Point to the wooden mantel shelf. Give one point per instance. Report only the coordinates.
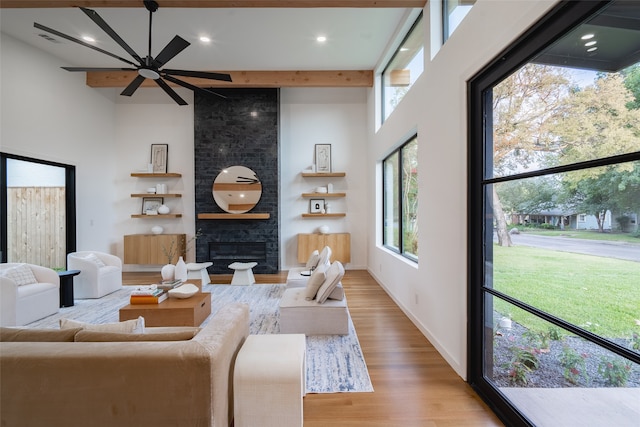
(323, 215)
(233, 216)
(156, 175)
(323, 175)
(156, 216)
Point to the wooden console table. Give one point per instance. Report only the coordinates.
(340, 244)
(147, 248)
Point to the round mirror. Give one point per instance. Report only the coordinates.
(237, 189)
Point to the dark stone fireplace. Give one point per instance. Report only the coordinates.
(241, 130)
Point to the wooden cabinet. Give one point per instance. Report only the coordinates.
(151, 248)
(340, 244)
(163, 195)
(324, 195)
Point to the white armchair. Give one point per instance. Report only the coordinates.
(100, 273)
(28, 292)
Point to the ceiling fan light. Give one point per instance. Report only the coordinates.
(149, 73)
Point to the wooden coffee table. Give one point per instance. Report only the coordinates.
(171, 312)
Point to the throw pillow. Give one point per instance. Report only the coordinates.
(335, 273)
(37, 335)
(312, 262)
(338, 293)
(315, 281)
(94, 258)
(135, 326)
(21, 274)
(325, 256)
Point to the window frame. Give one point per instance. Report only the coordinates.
(418, 21)
(561, 19)
(400, 207)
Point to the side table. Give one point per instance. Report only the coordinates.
(66, 287)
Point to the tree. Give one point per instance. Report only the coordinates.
(525, 105)
(632, 83)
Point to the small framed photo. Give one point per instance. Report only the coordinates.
(159, 154)
(150, 205)
(323, 158)
(316, 206)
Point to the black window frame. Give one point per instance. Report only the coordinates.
(70, 201)
(400, 249)
(563, 17)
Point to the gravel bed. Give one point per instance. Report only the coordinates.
(549, 373)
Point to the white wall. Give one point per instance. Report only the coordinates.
(323, 116)
(434, 294)
(39, 121)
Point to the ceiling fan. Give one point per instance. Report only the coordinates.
(148, 67)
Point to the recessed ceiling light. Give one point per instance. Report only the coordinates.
(88, 39)
(591, 43)
(205, 39)
(321, 39)
(587, 36)
(591, 49)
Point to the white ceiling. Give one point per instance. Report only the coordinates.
(242, 39)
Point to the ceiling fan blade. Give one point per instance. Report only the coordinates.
(192, 87)
(107, 29)
(175, 46)
(199, 74)
(97, 69)
(135, 84)
(172, 93)
(64, 36)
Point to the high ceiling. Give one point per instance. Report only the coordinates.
(280, 36)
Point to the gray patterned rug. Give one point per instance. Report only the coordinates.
(334, 363)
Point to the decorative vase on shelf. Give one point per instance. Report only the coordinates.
(168, 272)
(324, 229)
(181, 270)
(163, 209)
(157, 229)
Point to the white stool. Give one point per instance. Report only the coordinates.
(243, 274)
(198, 270)
(269, 381)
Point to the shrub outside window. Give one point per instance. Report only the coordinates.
(400, 200)
(403, 70)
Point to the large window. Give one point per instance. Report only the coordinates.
(37, 206)
(553, 223)
(403, 70)
(400, 203)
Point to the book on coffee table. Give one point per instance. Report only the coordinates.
(148, 299)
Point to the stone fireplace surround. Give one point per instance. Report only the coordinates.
(239, 130)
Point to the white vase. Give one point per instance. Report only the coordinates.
(168, 272)
(181, 270)
(163, 209)
(157, 229)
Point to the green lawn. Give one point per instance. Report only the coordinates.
(599, 294)
(585, 234)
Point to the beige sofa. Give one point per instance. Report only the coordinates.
(142, 383)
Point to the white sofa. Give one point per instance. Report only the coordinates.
(100, 273)
(22, 302)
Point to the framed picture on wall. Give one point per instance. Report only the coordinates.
(316, 206)
(150, 205)
(323, 158)
(159, 154)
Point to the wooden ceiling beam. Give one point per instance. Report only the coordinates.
(340, 78)
(31, 4)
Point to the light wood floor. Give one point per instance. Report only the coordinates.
(413, 384)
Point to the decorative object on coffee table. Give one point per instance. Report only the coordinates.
(185, 291)
(181, 270)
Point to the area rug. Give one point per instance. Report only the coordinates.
(335, 363)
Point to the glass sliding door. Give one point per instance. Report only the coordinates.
(38, 215)
(554, 253)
